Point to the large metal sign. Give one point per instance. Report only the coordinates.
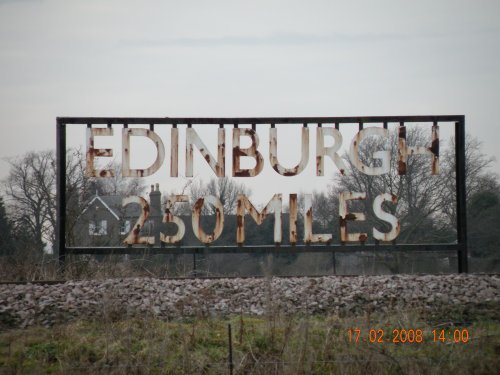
(246, 128)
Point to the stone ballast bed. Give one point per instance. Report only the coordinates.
(31, 304)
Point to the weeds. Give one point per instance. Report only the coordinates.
(291, 345)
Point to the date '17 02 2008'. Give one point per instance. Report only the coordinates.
(397, 336)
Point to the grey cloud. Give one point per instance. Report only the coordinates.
(271, 40)
(3, 2)
(291, 39)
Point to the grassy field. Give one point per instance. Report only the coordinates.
(265, 345)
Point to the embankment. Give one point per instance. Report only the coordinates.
(457, 295)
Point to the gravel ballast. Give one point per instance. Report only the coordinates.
(465, 295)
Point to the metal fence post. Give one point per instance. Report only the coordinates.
(195, 273)
(230, 343)
(61, 194)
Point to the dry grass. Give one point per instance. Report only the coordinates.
(273, 344)
(270, 345)
(29, 267)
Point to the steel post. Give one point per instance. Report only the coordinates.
(61, 193)
(463, 266)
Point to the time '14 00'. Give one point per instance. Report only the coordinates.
(400, 335)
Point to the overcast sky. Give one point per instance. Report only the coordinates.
(245, 58)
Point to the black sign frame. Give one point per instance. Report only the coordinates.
(460, 246)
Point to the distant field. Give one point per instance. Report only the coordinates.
(270, 344)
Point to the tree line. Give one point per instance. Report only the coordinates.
(425, 207)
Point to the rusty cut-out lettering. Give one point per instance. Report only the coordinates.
(332, 151)
(134, 237)
(275, 205)
(273, 153)
(385, 216)
(402, 155)
(404, 151)
(251, 151)
(174, 152)
(309, 237)
(160, 152)
(93, 152)
(219, 219)
(192, 138)
(345, 215)
(293, 213)
(168, 217)
(384, 156)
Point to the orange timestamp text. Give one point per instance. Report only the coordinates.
(411, 336)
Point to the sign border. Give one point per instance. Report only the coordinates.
(460, 246)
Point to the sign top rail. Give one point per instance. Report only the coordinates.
(256, 120)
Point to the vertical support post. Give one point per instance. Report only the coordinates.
(61, 193)
(204, 268)
(230, 342)
(195, 274)
(461, 195)
(334, 263)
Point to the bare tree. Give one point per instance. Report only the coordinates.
(483, 214)
(322, 206)
(79, 190)
(418, 206)
(6, 232)
(478, 178)
(29, 189)
(119, 185)
(224, 188)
